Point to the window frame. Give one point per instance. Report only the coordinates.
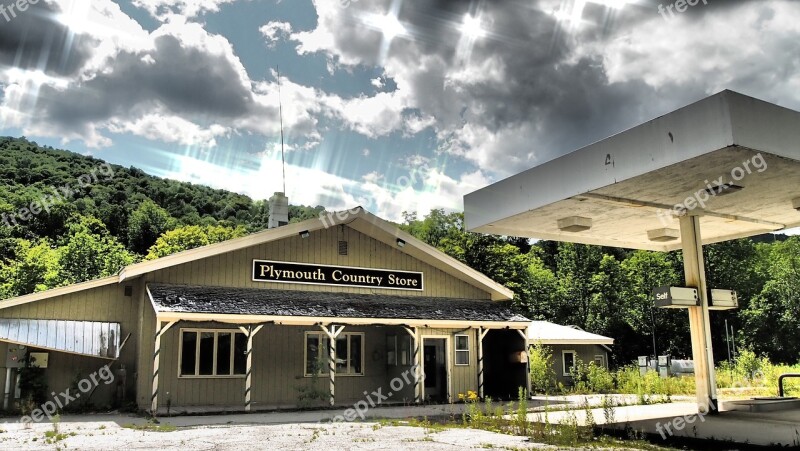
(564, 370)
(602, 359)
(214, 374)
(398, 350)
(324, 369)
(456, 350)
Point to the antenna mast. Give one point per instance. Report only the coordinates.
(280, 112)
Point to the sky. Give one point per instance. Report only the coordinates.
(394, 105)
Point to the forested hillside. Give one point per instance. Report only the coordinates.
(68, 218)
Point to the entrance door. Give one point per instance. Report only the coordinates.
(435, 369)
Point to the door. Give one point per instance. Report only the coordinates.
(434, 366)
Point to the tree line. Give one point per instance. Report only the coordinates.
(133, 216)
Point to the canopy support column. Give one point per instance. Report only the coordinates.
(248, 381)
(699, 324)
(332, 334)
(156, 359)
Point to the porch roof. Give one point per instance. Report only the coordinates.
(89, 338)
(545, 332)
(293, 307)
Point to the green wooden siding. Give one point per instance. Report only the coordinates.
(233, 269)
(278, 370)
(106, 303)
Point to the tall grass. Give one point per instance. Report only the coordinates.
(750, 375)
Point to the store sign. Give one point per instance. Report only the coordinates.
(346, 276)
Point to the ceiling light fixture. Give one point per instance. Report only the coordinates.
(663, 235)
(574, 224)
(400, 243)
(725, 188)
(304, 234)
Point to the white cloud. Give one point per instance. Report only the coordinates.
(164, 9)
(169, 129)
(275, 31)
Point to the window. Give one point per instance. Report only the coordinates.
(349, 353)
(600, 360)
(462, 349)
(212, 353)
(398, 350)
(568, 359)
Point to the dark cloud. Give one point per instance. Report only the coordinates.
(552, 90)
(185, 81)
(35, 39)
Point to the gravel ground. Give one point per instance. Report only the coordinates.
(309, 436)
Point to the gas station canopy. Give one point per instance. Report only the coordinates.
(730, 159)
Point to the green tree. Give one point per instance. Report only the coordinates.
(146, 224)
(771, 319)
(35, 268)
(645, 270)
(90, 252)
(190, 237)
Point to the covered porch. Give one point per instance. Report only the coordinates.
(245, 349)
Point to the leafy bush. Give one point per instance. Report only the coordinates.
(541, 368)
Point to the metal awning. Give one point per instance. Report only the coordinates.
(90, 338)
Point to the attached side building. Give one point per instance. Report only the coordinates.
(316, 312)
(569, 344)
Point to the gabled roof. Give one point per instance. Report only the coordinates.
(174, 302)
(357, 219)
(547, 333)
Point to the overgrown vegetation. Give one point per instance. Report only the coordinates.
(542, 374)
(516, 419)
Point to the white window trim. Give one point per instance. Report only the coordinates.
(603, 357)
(455, 344)
(216, 333)
(564, 369)
(323, 336)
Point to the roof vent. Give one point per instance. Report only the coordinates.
(342, 247)
(278, 211)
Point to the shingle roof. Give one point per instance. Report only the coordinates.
(548, 333)
(267, 302)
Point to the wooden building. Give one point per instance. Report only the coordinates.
(569, 345)
(317, 312)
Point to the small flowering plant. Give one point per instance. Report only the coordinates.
(471, 396)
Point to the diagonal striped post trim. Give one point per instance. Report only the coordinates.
(250, 332)
(156, 361)
(416, 368)
(481, 334)
(524, 335)
(332, 334)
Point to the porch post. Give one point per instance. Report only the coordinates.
(524, 335)
(414, 332)
(250, 332)
(332, 334)
(156, 359)
(481, 333)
